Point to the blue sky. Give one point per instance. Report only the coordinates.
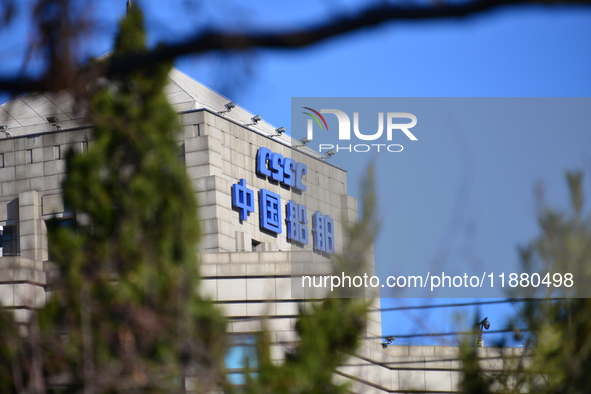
(524, 51)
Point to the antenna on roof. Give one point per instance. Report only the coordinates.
(128, 5)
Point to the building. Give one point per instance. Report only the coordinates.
(247, 258)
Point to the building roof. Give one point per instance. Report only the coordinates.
(26, 114)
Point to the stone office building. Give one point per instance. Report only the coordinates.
(247, 256)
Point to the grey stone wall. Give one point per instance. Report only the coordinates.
(218, 153)
(247, 284)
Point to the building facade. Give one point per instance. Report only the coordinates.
(262, 225)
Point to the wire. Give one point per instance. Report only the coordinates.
(423, 359)
(473, 303)
(425, 335)
(392, 309)
(393, 364)
(450, 333)
(419, 335)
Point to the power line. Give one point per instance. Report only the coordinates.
(472, 303)
(410, 307)
(426, 335)
(420, 335)
(450, 333)
(389, 364)
(398, 365)
(392, 309)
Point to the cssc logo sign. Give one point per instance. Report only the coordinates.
(391, 123)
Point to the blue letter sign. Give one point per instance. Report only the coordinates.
(297, 230)
(281, 169)
(323, 229)
(288, 173)
(242, 199)
(270, 211)
(263, 155)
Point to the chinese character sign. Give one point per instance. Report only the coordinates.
(270, 211)
(289, 174)
(242, 199)
(323, 229)
(297, 231)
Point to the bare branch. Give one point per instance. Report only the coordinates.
(214, 40)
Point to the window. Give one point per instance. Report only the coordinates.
(57, 152)
(67, 222)
(63, 222)
(28, 156)
(9, 241)
(257, 246)
(240, 355)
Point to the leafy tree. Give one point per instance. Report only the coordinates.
(127, 314)
(474, 381)
(557, 353)
(561, 329)
(329, 332)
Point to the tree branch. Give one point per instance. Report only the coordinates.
(213, 40)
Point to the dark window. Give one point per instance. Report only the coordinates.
(67, 222)
(257, 246)
(10, 241)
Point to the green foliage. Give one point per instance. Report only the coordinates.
(563, 245)
(10, 355)
(126, 314)
(561, 330)
(558, 346)
(474, 381)
(329, 332)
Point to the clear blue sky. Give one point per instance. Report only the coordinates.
(525, 51)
